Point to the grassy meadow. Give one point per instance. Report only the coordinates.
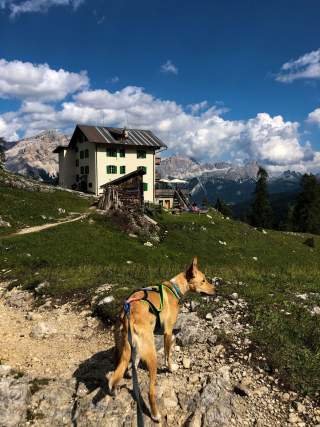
(23, 208)
(274, 268)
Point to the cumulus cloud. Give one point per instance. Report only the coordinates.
(169, 68)
(17, 7)
(314, 117)
(272, 140)
(9, 127)
(305, 67)
(198, 130)
(25, 80)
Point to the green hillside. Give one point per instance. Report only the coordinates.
(268, 270)
(29, 206)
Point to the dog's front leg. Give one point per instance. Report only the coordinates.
(167, 349)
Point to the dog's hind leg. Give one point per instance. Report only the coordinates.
(118, 374)
(148, 354)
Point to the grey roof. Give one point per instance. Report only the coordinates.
(109, 135)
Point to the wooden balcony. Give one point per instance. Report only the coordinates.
(166, 192)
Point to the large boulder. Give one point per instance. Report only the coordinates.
(14, 397)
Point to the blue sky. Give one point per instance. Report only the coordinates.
(208, 76)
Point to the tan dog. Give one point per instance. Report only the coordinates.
(142, 324)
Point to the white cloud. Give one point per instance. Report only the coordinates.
(39, 82)
(9, 128)
(305, 67)
(314, 117)
(272, 140)
(199, 130)
(169, 68)
(17, 7)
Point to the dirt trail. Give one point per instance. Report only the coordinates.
(38, 228)
(72, 337)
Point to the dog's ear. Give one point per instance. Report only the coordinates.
(191, 271)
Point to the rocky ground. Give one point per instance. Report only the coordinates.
(54, 359)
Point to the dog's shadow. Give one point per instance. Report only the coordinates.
(93, 374)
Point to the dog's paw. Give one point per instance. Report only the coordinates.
(156, 418)
(112, 390)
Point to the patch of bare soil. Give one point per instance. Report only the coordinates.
(48, 343)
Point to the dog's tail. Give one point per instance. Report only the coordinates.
(124, 351)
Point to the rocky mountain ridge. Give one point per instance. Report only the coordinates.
(34, 156)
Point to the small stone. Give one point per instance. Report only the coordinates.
(218, 349)
(5, 370)
(234, 296)
(194, 378)
(106, 300)
(286, 397)
(209, 317)
(186, 362)
(294, 418)
(174, 367)
(42, 330)
(300, 407)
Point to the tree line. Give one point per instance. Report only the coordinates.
(302, 216)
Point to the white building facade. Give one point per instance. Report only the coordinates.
(97, 155)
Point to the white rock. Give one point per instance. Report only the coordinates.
(186, 362)
(315, 311)
(255, 258)
(42, 330)
(209, 316)
(234, 296)
(106, 300)
(5, 370)
(174, 367)
(149, 244)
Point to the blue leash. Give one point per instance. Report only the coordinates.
(135, 382)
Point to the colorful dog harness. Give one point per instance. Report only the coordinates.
(157, 288)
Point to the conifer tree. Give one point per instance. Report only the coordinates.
(261, 210)
(306, 214)
(222, 207)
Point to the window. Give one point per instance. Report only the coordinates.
(86, 153)
(145, 186)
(111, 169)
(111, 152)
(90, 184)
(141, 154)
(77, 149)
(82, 170)
(81, 154)
(122, 169)
(86, 169)
(122, 152)
(77, 178)
(143, 168)
(77, 162)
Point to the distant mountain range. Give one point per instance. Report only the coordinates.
(206, 180)
(34, 157)
(233, 183)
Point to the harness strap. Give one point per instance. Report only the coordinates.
(135, 382)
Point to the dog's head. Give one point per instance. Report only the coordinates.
(197, 281)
